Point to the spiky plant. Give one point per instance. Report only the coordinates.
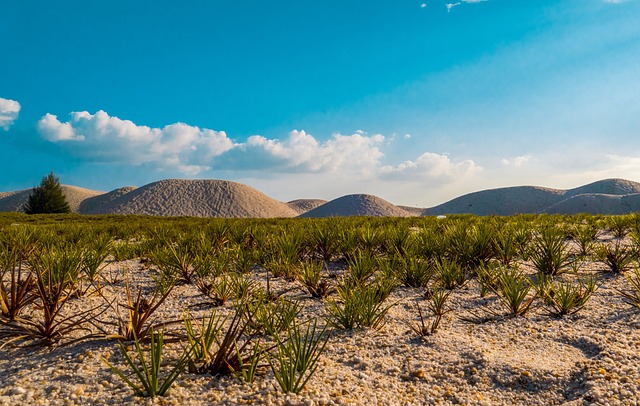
(17, 286)
(56, 273)
(359, 306)
(617, 256)
(585, 236)
(362, 266)
(632, 296)
(487, 277)
(310, 275)
(564, 298)
(437, 299)
(549, 252)
(513, 290)
(297, 356)
(220, 349)
(218, 289)
(449, 274)
(148, 372)
(93, 262)
(414, 272)
(140, 311)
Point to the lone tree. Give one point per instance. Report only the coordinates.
(47, 198)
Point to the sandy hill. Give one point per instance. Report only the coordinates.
(198, 198)
(596, 197)
(94, 204)
(617, 187)
(413, 211)
(13, 201)
(503, 201)
(592, 203)
(357, 205)
(305, 205)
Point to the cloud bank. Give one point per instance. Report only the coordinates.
(9, 110)
(191, 150)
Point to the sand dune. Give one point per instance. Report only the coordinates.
(94, 204)
(503, 201)
(197, 198)
(219, 198)
(534, 199)
(305, 205)
(14, 201)
(357, 205)
(591, 203)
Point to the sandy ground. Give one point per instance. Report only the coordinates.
(591, 357)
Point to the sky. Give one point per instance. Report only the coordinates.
(417, 102)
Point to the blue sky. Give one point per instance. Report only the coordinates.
(414, 101)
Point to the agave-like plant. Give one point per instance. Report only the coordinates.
(617, 256)
(513, 290)
(140, 311)
(148, 373)
(17, 286)
(297, 356)
(310, 275)
(437, 299)
(632, 296)
(549, 251)
(220, 350)
(564, 298)
(56, 271)
(449, 274)
(360, 305)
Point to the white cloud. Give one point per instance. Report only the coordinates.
(9, 110)
(301, 151)
(450, 6)
(100, 137)
(190, 150)
(432, 166)
(517, 161)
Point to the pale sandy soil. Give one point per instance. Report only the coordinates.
(588, 358)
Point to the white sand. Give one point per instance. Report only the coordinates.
(588, 358)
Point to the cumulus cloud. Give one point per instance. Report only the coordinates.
(191, 150)
(432, 166)
(102, 138)
(517, 161)
(9, 110)
(301, 151)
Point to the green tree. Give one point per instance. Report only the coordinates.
(47, 198)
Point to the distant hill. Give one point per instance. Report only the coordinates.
(197, 198)
(95, 204)
(304, 205)
(14, 201)
(221, 198)
(534, 199)
(357, 205)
